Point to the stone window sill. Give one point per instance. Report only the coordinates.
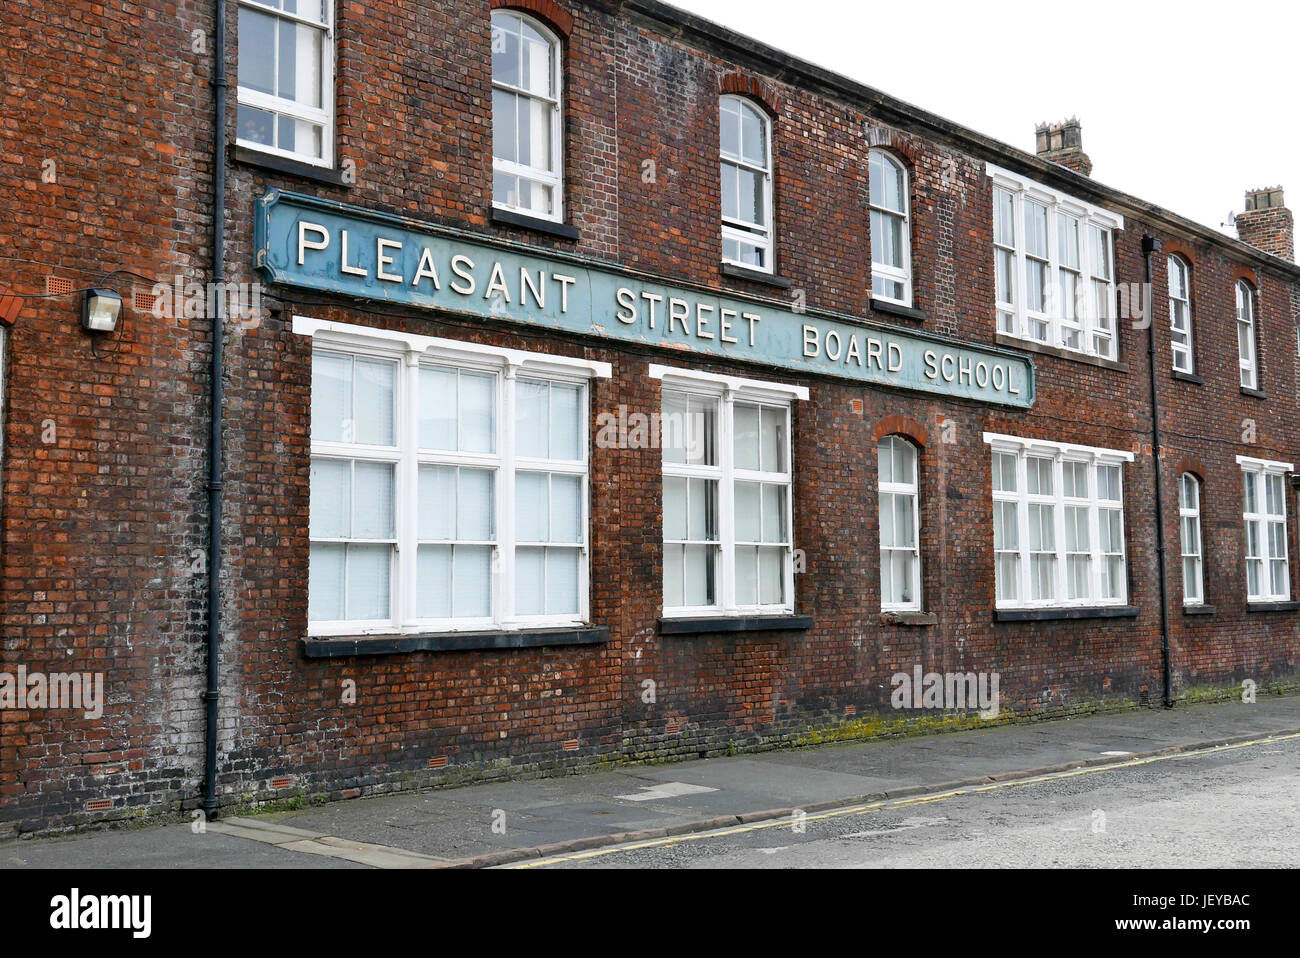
(915, 620)
(1272, 606)
(897, 309)
(1015, 342)
(1199, 610)
(1257, 393)
(1183, 377)
(754, 275)
(1052, 615)
(318, 174)
(534, 223)
(704, 625)
(321, 647)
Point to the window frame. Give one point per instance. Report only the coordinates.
(554, 180)
(1104, 325)
(902, 276)
(1090, 325)
(910, 490)
(728, 391)
(414, 353)
(1191, 513)
(325, 116)
(1071, 320)
(1057, 453)
(1259, 472)
(354, 453)
(738, 230)
(1006, 309)
(1251, 302)
(1177, 263)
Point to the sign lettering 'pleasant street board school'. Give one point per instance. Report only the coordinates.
(334, 248)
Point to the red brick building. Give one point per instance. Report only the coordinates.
(599, 385)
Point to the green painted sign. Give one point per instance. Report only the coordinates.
(334, 248)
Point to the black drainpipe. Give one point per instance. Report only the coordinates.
(1149, 245)
(217, 398)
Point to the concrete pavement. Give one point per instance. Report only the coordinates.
(495, 823)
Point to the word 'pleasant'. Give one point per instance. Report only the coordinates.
(461, 266)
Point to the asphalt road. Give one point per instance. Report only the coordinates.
(1234, 807)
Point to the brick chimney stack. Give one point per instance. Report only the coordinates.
(1062, 143)
(1267, 224)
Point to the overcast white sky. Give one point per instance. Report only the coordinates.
(1183, 104)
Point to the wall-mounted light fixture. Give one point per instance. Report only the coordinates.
(100, 311)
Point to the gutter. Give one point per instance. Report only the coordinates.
(1149, 246)
(211, 694)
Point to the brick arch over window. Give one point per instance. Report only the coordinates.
(882, 137)
(900, 426)
(1240, 272)
(555, 16)
(752, 87)
(1194, 466)
(1175, 248)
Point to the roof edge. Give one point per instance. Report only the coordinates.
(785, 67)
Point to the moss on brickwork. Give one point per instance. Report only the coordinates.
(1208, 694)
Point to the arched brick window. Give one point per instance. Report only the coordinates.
(899, 490)
(1193, 553)
(527, 116)
(1180, 314)
(891, 229)
(746, 165)
(1248, 358)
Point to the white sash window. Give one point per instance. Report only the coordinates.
(897, 468)
(746, 166)
(1058, 524)
(1189, 520)
(1246, 358)
(527, 117)
(1264, 493)
(286, 78)
(1180, 314)
(449, 484)
(728, 482)
(891, 239)
(1053, 267)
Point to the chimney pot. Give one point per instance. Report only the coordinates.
(1062, 143)
(1268, 198)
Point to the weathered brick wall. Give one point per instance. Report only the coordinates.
(103, 168)
(110, 568)
(1204, 427)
